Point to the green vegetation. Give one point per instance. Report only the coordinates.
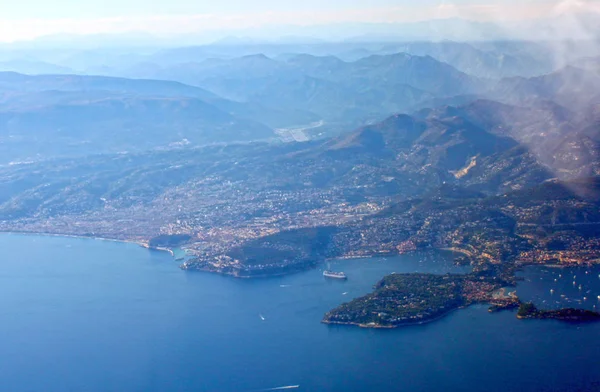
(285, 247)
(530, 311)
(169, 241)
(401, 299)
(526, 310)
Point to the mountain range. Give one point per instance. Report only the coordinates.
(230, 92)
(235, 100)
(486, 146)
(302, 156)
(56, 115)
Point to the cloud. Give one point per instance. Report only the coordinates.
(24, 29)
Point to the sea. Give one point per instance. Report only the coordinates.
(91, 315)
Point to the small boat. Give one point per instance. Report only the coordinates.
(344, 293)
(261, 317)
(334, 275)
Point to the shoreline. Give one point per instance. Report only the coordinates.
(140, 243)
(31, 233)
(158, 248)
(460, 251)
(407, 324)
(237, 276)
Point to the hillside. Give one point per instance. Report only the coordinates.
(299, 183)
(66, 115)
(478, 176)
(346, 93)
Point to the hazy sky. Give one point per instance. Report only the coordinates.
(115, 8)
(25, 19)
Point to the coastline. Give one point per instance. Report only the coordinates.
(238, 276)
(31, 233)
(158, 248)
(406, 324)
(458, 251)
(137, 242)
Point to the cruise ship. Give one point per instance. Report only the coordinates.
(335, 275)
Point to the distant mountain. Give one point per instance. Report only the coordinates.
(422, 72)
(45, 116)
(31, 67)
(252, 66)
(122, 123)
(571, 87)
(12, 81)
(453, 142)
(492, 62)
(346, 93)
(295, 84)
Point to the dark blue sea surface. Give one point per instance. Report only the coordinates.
(555, 288)
(88, 315)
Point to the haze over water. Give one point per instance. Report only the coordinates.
(88, 315)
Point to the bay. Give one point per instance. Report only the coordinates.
(88, 315)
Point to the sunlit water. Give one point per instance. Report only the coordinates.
(85, 315)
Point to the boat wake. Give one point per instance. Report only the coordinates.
(280, 388)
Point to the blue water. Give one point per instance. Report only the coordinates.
(86, 315)
(555, 288)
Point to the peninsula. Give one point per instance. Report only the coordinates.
(530, 311)
(403, 299)
(407, 299)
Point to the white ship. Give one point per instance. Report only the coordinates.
(334, 275)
